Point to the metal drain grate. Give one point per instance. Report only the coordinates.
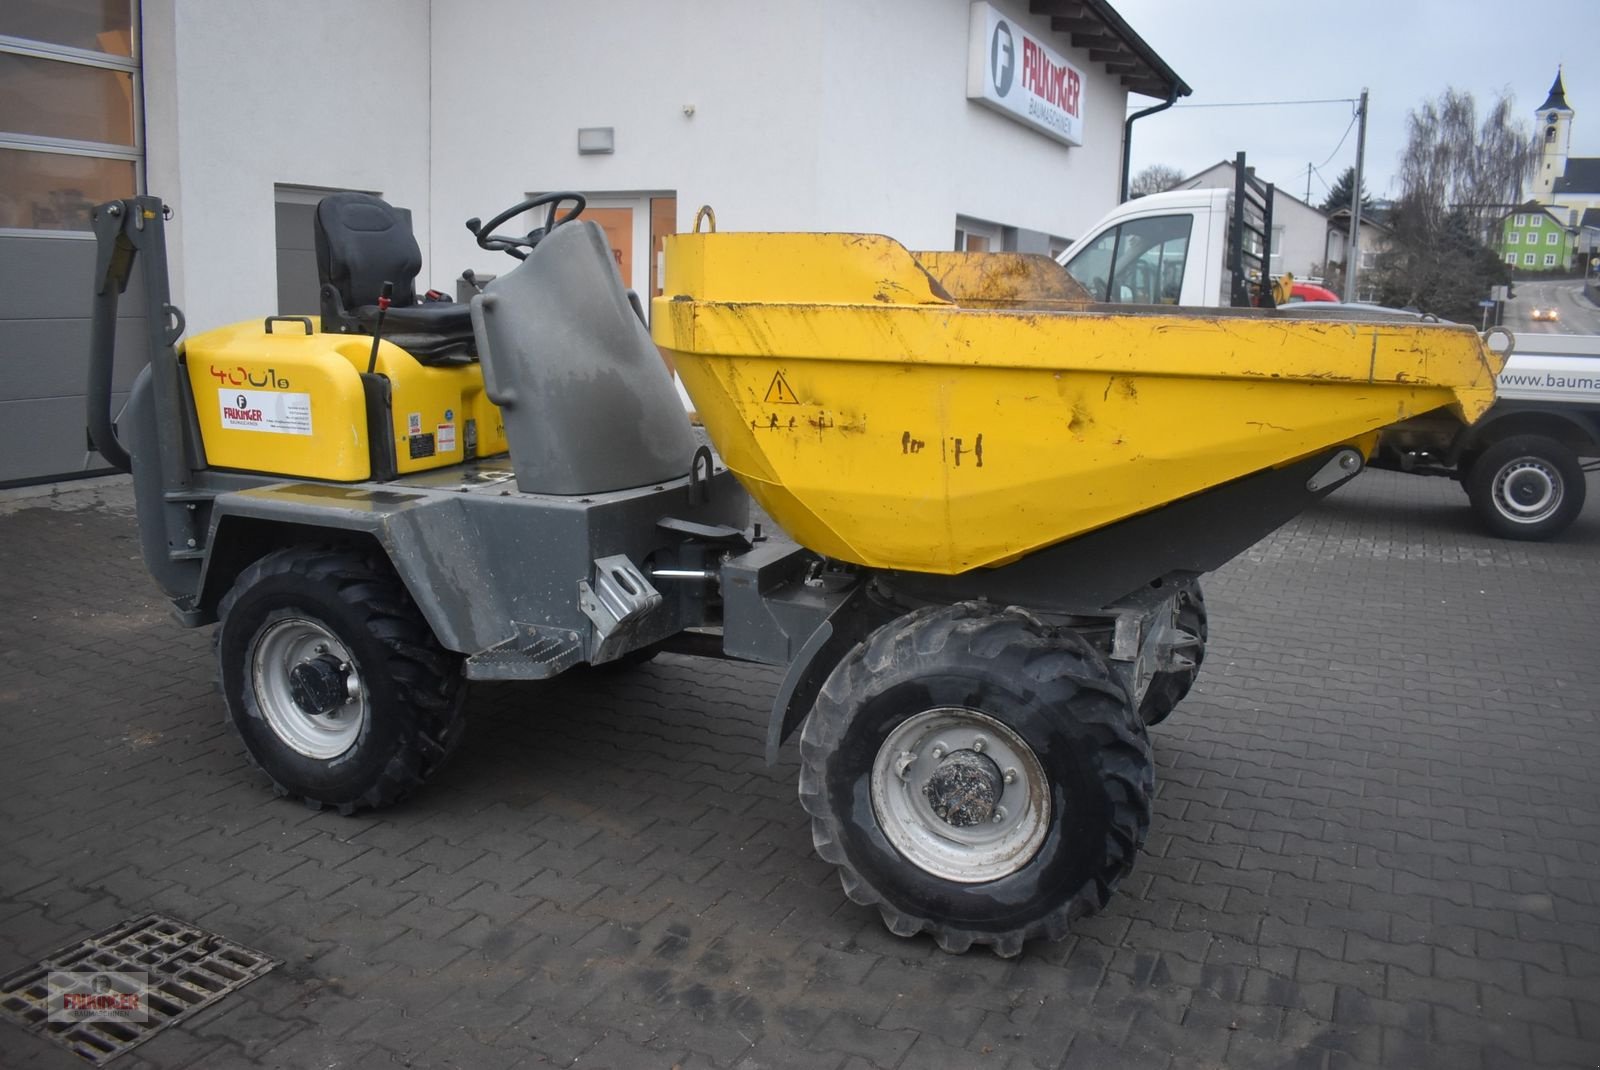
(180, 969)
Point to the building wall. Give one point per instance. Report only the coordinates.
(1553, 150)
(1538, 235)
(241, 96)
(829, 116)
(1571, 206)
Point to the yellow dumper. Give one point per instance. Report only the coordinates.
(1045, 479)
(997, 499)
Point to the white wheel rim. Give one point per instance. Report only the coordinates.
(994, 848)
(1527, 490)
(274, 653)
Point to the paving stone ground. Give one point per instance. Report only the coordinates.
(1376, 840)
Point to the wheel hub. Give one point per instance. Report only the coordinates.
(1527, 491)
(964, 789)
(321, 685)
(960, 795)
(308, 687)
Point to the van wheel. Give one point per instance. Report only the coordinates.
(1526, 487)
(334, 681)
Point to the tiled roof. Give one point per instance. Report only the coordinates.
(1582, 176)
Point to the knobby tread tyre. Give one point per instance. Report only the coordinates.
(1482, 476)
(1167, 689)
(416, 708)
(1045, 684)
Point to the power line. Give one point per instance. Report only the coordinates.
(1340, 145)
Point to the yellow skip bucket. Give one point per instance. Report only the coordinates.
(942, 412)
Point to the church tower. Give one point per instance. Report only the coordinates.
(1554, 134)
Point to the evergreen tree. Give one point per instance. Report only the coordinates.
(1339, 196)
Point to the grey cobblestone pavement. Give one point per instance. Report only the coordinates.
(1376, 840)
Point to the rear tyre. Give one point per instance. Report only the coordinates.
(976, 775)
(633, 659)
(1526, 487)
(334, 681)
(1167, 689)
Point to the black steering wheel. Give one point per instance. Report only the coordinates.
(521, 247)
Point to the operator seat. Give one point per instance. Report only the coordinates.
(362, 242)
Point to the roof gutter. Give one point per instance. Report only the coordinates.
(1127, 136)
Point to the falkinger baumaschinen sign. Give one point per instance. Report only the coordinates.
(1016, 74)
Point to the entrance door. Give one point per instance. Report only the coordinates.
(617, 222)
(635, 225)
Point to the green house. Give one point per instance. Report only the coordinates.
(1532, 238)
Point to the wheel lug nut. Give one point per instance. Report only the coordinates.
(999, 814)
(938, 751)
(1010, 776)
(978, 744)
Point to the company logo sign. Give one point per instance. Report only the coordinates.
(1002, 58)
(1018, 75)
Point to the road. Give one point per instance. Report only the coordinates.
(1578, 314)
(1375, 841)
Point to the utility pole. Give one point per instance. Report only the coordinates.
(1352, 257)
(1308, 183)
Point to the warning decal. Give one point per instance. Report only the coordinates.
(265, 410)
(445, 436)
(779, 393)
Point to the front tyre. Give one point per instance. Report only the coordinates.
(1526, 487)
(334, 681)
(976, 775)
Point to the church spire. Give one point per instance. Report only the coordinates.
(1558, 95)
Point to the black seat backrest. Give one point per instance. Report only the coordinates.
(362, 242)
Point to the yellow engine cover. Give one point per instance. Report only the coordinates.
(290, 403)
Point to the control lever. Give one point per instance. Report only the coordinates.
(385, 298)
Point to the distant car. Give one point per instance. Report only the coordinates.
(1548, 313)
(1310, 291)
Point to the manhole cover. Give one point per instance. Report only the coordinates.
(115, 990)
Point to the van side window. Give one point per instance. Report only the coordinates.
(1138, 262)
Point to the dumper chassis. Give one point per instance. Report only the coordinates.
(974, 752)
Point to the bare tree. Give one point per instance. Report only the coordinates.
(1457, 176)
(1453, 163)
(1157, 178)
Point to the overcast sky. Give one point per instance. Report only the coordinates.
(1403, 51)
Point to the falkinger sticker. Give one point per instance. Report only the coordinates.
(266, 410)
